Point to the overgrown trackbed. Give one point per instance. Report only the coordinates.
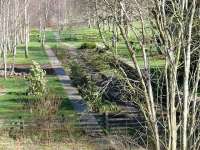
(76, 100)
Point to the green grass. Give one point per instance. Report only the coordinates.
(123, 51)
(83, 34)
(56, 87)
(9, 103)
(77, 36)
(36, 52)
(50, 38)
(155, 59)
(155, 62)
(10, 106)
(74, 44)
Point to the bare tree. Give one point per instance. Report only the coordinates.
(174, 23)
(14, 26)
(26, 26)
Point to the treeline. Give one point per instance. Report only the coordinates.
(14, 29)
(171, 108)
(17, 17)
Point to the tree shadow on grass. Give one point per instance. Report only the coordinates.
(17, 93)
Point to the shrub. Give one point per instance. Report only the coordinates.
(101, 48)
(109, 107)
(78, 75)
(36, 80)
(93, 96)
(88, 45)
(35, 35)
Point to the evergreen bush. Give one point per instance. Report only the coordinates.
(37, 81)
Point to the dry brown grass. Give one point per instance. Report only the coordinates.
(84, 143)
(7, 143)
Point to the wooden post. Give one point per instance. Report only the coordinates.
(106, 123)
(21, 126)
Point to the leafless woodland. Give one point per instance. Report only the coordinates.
(169, 101)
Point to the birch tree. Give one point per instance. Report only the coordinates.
(26, 26)
(13, 27)
(173, 116)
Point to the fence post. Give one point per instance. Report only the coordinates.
(21, 125)
(106, 123)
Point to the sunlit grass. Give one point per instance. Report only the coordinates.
(10, 106)
(36, 52)
(77, 36)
